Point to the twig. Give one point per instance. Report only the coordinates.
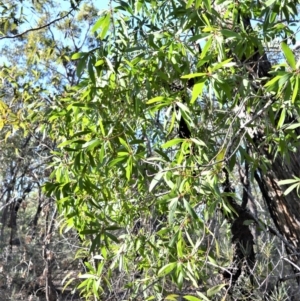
(38, 28)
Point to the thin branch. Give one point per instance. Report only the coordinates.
(39, 28)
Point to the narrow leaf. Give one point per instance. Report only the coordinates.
(109, 64)
(191, 298)
(293, 126)
(296, 88)
(78, 55)
(197, 90)
(204, 298)
(214, 290)
(288, 53)
(291, 188)
(92, 144)
(272, 82)
(193, 75)
(198, 142)
(182, 106)
(155, 99)
(269, 2)
(172, 142)
(282, 118)
(288, 181)
(155, 180)
(172, 297)
(99, 63)
(168, 268)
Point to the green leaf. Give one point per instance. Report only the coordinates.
(172, 142)
(124, 143)
(105, 26)
(99, 63)
(155, 99)
(207, 4)
(168, 181)
(112, 237)
(180, 248)
(189, 3)
(214, 290)
(89, 231)
(230, 34)
(270, 2)
(296, 88)
(188, 76)
(129, 168)
(117, 160)
(182, 106)
(155, 180)
(291, 188)
(167, 269)
(87, 276)
(65, 143)
(91, 72)
(138, 6)
(191, 298)
(282, 118)
(109, 64)
(189, 209)
(206, 48)
(226, 63)
(293, 126)
(284, 79)
(172, 209)
(289, 55)
(289, 181)
(180, 277)
(221, 155)
(272, 82)
(81, 65)
(92, 144)
(103, 22)
(197, 90)
(78, 55)
(202, 296)
(198, 142)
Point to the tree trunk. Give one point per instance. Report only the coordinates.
(284, 209)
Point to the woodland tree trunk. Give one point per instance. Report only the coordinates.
(283, 209)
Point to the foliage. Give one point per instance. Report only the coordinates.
(175, 104)
(35, 58)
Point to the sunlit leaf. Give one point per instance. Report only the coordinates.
(191, 298)
(295, 89)
(172, 142)
(168, 268)
(282, 118)
(197, 90)
(289, 55)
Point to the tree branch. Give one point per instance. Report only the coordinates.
(39, 28)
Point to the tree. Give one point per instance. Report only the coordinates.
(36, 68)
(177, 145)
